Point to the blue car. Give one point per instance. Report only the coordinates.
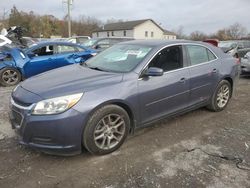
(128, 86)
(17, 64)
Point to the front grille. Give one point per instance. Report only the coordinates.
(17, 118)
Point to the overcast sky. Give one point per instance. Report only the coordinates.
(203, 15)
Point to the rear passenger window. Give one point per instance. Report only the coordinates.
(65, 49)
(211, 56)
(199, 54)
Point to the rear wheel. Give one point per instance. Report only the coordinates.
(221, 96)
(9, 77)
(106, 130)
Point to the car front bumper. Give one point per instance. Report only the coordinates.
(59, 134)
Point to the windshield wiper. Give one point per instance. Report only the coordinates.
(97, 68)
(94, 68)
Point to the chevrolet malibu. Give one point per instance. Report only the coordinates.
(95, 105)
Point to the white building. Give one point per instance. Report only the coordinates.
(138, 29)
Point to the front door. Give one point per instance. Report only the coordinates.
(166, 94)
(43, 60)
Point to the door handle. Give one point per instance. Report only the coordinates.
(214, 71)
(182, 80)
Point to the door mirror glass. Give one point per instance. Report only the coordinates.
(154, 71)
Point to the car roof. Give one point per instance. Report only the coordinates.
(56, 42)
(38, 44)
(159, 43)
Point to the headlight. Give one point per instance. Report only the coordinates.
(56, 105)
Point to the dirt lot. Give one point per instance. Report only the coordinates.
(198, 149)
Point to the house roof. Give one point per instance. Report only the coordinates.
(129, 25)
(166, 32)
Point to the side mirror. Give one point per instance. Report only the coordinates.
(154, 71)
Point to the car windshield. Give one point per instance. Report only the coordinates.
(227, 44)
(89, 42)
(119, 58)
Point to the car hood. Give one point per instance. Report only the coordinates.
(69, 80)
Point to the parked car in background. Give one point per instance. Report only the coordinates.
(17, 64)
(29, 41)
(214, 42)
(128, 86)
(4, 40)
(101, 44)
(237, 48)
(245, 64)
(78, 39)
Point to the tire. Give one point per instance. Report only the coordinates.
(106, 130)
(9, 76)
(221, 96)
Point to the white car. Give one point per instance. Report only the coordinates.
(78, 39)
(4, 40)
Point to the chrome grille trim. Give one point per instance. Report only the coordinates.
(19, 106)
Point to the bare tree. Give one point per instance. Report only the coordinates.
(198, 35)
(236, 31)
(180, 33)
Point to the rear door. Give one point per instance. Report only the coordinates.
(204, 73)
(166, 94)
(64, 54)
(69, 54)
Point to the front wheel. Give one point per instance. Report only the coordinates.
(106, 130)
(221, 96)
(9, 76)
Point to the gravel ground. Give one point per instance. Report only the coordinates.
(198, 149)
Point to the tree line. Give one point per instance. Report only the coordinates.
(233, 32)
(47, 25)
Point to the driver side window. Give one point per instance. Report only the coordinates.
(45, 50)
(168, 59)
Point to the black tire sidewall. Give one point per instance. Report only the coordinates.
(3, 83)
(88, 134)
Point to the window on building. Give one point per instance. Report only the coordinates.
(107, 34)
(125, 33)
(112, 33)
(152, 34)
(146, 34)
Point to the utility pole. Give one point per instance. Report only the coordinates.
(69, 3)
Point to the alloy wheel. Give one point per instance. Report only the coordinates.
(10, 77)
(223, 96)
(109, 131)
